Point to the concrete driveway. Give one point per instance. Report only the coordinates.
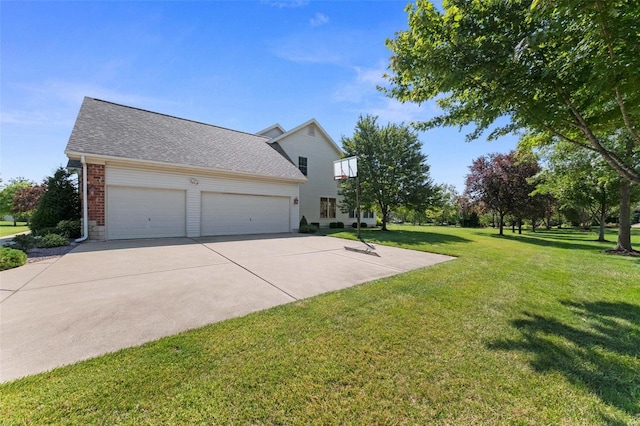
(102, 297)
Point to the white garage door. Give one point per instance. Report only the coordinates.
(145, 213)
(235, 214)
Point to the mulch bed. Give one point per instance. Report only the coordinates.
(40, 254)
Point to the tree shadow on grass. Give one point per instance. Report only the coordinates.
(602, 353)
(411, 237)
(555, 243)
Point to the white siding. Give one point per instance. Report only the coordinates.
(320, 154)
(145, 178)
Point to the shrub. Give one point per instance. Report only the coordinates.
(303, 222)
(69, 228)
(333, 225)
(45, 231)
(23, 242)
(312, 229)
(52, 240)
(316, 224)
(339, 225)
(11, 258)
(362, 225)
(304, 229)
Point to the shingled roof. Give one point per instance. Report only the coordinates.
(110, 130)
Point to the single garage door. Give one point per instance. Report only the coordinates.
(145, 213)
(236, 214)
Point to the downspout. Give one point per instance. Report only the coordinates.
(85, 203)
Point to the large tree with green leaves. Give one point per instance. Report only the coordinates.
(8, 192)
(392, 170)
(566, 68)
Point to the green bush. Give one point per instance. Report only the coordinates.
(312, 229)
(69, 228)
(45, 231)
(339, 224)
(11, 258)
(52, 240)
(23, 242)
(333, 225)
(303, 222)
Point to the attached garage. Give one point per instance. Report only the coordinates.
(145, 213)
(150, 175)
(232, 214)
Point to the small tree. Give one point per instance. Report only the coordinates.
(25, 201)
(7, 193)
(59, 201)
(393, 171)
(500, 181)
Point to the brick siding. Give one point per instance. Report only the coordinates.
(96, 193)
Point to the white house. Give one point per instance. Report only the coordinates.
(146, 175)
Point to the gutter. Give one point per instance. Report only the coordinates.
(85, 204)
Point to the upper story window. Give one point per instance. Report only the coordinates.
(311, 131)
(302, 165)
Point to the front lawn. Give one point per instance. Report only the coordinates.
(523, 329)
(7, 228)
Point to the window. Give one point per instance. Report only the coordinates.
(302, 165)
(311, 131)
(327, 208)
(364, 214)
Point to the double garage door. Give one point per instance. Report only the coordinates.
(156, 213)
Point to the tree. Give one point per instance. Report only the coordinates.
(501, 183)
(59, 201)
(25, 201)
(566, 68)
(392, 170)
(582, 183)
(7, 194)
(445, 208)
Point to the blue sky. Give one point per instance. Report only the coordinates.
(244, 65)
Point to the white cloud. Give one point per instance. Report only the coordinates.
(319, 19)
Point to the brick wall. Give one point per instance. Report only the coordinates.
(96, 193)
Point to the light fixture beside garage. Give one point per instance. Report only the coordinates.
(295, 200)
(193, 181)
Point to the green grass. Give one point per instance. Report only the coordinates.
(534, 329)
(7, 228)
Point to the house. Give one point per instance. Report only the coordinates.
(147, 175)
(310, 148)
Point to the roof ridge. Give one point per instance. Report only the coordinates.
(179, 118)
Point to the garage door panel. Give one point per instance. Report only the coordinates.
(235, 214)
(145, 213)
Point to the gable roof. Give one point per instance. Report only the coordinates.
(275, 128)
(109, 130)
(314, 122)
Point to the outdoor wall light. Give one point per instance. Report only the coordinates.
(295, 200)
(193, 181)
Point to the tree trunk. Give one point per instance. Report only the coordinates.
(624, 230)
(385, 214)
(519, 226)
(603, 218)
(501, 224)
